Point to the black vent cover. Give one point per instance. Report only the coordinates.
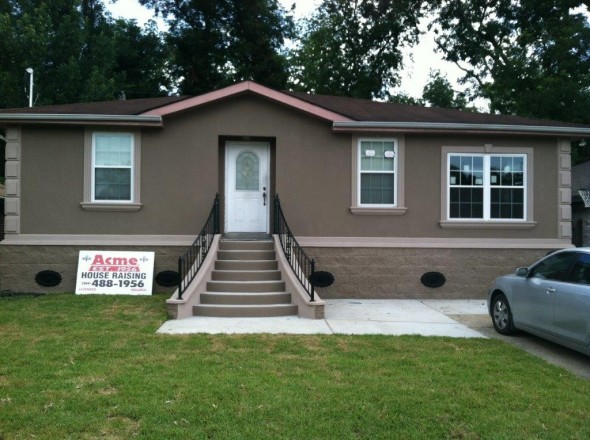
(168, 278)
(433, 279)
(48, 278)
(321, 278)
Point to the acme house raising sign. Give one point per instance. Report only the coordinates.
(115, 273)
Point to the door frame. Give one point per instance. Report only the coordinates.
(222, 173)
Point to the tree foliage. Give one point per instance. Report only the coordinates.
(353, 47)
(220, 42)
(438, 92)
(78, 53)
(528, 57)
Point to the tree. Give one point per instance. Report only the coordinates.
(352, 47)
(220, 42)
(528, 57)
(438, 92)
(78, 53)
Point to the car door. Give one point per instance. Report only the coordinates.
(534, 298)
(572, 303)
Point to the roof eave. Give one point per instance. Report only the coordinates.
(453, 127)
(83, 119)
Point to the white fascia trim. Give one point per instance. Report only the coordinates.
(248, 86)
(444, 126)
(434, 243)
(96, 240)
(74, 118)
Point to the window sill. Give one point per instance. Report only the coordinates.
(446, 224)
(356, 210)
(88, 206)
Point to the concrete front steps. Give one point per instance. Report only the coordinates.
(245, 282)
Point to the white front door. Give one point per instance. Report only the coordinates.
(247, 192)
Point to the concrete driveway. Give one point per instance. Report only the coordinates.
(571, 360)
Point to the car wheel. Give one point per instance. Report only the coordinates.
(502, 315)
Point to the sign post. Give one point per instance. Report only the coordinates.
(115, 273)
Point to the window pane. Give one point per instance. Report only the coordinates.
(377, 189)
(466, 203)
(247, 172)
(112, 184)
(112, 150)
(581, 271)
(555, 267)
(507, 203)
(373, 155)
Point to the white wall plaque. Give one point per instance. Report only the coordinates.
(115, 272)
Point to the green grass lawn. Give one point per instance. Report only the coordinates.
(92, 367)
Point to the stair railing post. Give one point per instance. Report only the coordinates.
(216, 215)
(276, 214)
(312, 293)
(180, 278)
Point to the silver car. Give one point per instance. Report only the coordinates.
(550, 299)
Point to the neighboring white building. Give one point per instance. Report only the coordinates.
(580, 213)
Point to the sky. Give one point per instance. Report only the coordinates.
(417, 60)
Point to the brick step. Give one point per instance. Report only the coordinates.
(246, 275)
(246, 286)
(229, 245)
(246, 255)
(241, 311)
(245, 299)
(246, 265)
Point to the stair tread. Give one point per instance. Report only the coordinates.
(245, 306)
(247, 270)
(245, 282)
(276, 292)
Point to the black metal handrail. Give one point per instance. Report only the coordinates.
(302, 265)
(190, 263)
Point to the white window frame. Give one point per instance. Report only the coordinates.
(95, 167)
(487, 186)
(395, 208)
(487, 222)
(89, 201)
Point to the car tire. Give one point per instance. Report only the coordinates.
(502, 315)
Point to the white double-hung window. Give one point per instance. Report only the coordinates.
(487, 187)
(377, 171)
(112, 170)
(112, 167)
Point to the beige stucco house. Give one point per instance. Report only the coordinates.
(379, 194)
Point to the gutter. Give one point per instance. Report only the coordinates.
(40, 118)
(458, 127)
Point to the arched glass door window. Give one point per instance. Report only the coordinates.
(247, 172)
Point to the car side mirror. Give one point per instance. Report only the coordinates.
(522, 272)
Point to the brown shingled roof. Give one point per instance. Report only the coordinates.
(366, 110)
(126, 107)
(360, 110)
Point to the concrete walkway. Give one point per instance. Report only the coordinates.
(354, 317)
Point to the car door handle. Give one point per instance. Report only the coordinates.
(551, 290)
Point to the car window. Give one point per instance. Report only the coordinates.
(581, 271)
(556, 267)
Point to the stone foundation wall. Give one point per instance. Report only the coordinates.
(381, 273)
(20, 264)
(359, 272)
